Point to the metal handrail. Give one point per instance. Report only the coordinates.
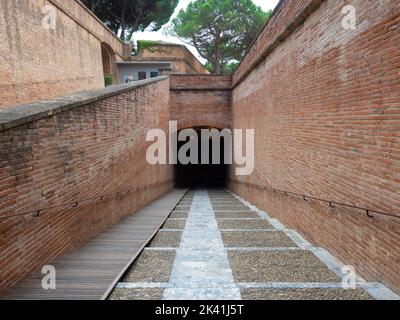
(74, 204)
(332, 204)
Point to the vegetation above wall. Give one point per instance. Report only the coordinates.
(153, 46)
(124, 17)
(220, 30)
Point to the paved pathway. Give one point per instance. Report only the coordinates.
(215, 246)
(201, 269)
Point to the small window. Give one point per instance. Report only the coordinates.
(142, 75)
(154, 74)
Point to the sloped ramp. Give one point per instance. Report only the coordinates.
(88, 272)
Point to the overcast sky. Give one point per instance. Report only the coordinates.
(159, 35)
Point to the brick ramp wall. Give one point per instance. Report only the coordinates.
(325, 106)
(93, 144)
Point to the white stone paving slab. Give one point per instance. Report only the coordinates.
(201, 269)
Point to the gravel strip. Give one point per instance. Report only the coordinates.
(228, 202)
(137, 294)
(151, 266)
(179, 214)
(182, 208)
(305, 294)
(286, 266)
(185, 203)
(167, 240)
(226, 208)
(236, 215)
(222, 197)
(239, 207)
(256, 239)
(175, 224)
(229, 206)
(243, 224)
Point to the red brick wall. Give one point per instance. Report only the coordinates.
(325, 106)
(90, 150)
(38, 64)
(201, 100)
(324, 101)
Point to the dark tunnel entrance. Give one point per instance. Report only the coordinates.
(203, 175)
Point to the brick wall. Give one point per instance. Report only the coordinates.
(325, 106)
(93, 144)
(201, 100)
(324, 103)
(38, 64)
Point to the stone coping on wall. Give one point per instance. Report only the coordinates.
(201, 82)
(27, 113)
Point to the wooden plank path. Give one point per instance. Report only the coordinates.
(89, 272)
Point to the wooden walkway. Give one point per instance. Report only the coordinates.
(91, 271)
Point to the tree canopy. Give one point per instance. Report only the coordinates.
(124, 17)
(220, 30)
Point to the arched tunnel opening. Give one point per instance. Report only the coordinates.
(206, 172)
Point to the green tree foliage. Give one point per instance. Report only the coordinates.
(124, 17)
(229, 68)
(221, 30)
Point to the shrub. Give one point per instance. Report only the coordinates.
(108, 79)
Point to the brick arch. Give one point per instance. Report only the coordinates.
(109, 59)
(193, 123)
